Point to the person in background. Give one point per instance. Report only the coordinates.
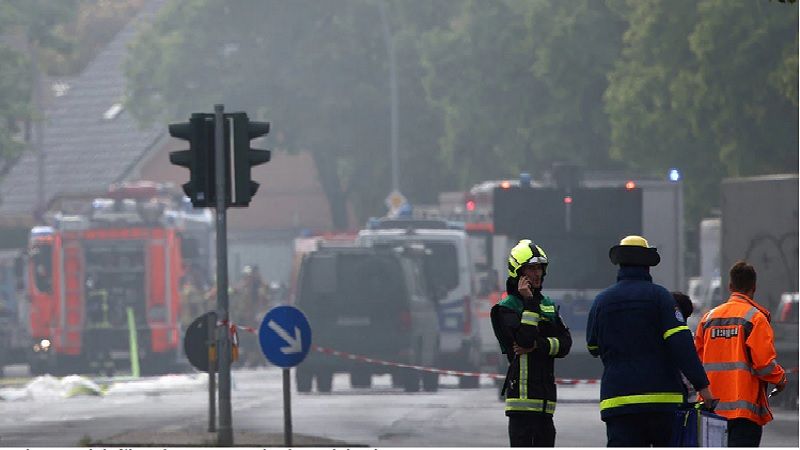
(684, 305)
(531, 335)
(645, 345)
(736, 344)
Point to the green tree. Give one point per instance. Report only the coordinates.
(28, 25)
(710, 87)
(520, 85)
(318, 70)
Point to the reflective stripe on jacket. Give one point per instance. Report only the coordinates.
(736, 345)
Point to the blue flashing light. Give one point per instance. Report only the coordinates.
(674, 175)
(405, 210)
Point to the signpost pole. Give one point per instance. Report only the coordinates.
(225, 431)
(212, 372)
(285, 338)
(287, 408)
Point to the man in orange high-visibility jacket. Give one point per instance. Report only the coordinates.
(736, 345)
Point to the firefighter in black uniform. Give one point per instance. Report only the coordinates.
(531, 334)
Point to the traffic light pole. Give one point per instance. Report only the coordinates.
(225, 430)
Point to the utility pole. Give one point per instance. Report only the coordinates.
(387, 36)
(38, 127)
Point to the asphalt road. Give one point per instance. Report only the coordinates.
(382, 416)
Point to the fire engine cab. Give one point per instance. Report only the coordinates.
(112, 266)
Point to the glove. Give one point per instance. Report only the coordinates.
(779, 387)
(709, 405)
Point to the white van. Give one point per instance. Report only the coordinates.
(449, 275)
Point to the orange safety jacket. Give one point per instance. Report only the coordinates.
(735, 343)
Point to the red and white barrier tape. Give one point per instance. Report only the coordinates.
(354, 357)
(381, 362)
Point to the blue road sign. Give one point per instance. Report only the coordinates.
(285, 336)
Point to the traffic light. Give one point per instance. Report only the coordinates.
(243, 188)
(199, 158)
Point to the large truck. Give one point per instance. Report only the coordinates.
(576, 218)
(705, 289)
(759, 224)
(121, 260)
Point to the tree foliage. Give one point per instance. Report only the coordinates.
(26, 24)
(489, 89)
(710, 87)
(520, 85)
(317, 70)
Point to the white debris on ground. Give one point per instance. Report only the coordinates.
(47, 387)
(154, 386)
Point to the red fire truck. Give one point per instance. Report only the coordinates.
(121, 255)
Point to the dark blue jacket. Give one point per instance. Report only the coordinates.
(636, 329)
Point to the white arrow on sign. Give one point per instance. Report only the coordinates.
(295, 343)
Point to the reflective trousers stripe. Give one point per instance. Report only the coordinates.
(523, 376)
(743, 404)
(531, 405)
(530, 318)
(593, 347)
(672, 331)
(554, 346)
(656, 397)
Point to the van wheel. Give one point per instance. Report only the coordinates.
(469, 382)
(360, 379)
(411, 381)
(397, 380)
(324, 381)
(303, 378)
(430, 382)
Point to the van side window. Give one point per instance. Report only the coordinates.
(42, 260)
(441, 267)
(415, 280)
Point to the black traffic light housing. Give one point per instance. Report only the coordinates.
(243, 187)
(199, 158)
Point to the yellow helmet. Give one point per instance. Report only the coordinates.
(525, 252)
(634, 240)
(634, 250)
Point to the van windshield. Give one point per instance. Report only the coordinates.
(354, 282)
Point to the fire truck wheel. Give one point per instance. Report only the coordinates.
(430, 382)
(397, 380)
(324, 381)
(411, 381)
(360, 378)
(36, 368)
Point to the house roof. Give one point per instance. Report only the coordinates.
(89, 140)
